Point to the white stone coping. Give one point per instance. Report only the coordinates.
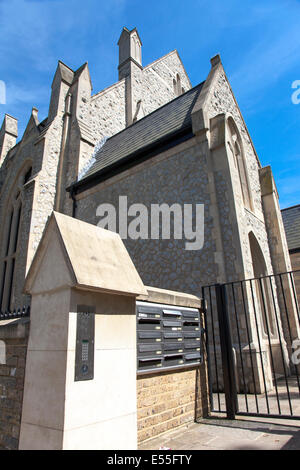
(170, 297)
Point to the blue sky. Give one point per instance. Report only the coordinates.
(259, 43)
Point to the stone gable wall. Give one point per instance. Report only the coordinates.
(221, 100)
(179, 176)
(38, 198)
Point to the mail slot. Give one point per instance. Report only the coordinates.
(148, 309)
(173, 347)
(172, 334)
(192, 344)
(192, 334)
(149, 324)
(191, 326)
(149, 336)
(149, 363)
(172, 313)
(191, 314)
(193, 357)
(191, 323)
(148, 315)
(173, 360)
(145, 349)
(169, 323)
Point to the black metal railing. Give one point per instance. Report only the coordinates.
(253, 344)
(16, 313)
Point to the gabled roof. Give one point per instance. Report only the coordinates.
(291, 221)
(163, 123)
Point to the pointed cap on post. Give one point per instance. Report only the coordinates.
(73, 253)
(8, 135)
(215, 60)
(130, 47)
(9, 126)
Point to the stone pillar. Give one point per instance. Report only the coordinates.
(130, 68)
(61, 411)
(280, 257)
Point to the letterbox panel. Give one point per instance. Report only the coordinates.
(167, 336)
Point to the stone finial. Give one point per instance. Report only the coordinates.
(215, 60)
(8, 135)
(34, 114)
(130, 47)
(62, 80)
(10, 125)
(267, 183)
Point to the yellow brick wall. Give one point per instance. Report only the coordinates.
(170, 399)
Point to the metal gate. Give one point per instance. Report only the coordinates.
(253, 346)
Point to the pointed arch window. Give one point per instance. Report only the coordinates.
(11, 242)
(262, 289)
(236, 148)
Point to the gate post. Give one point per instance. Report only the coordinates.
(226, 352)
(80, 379)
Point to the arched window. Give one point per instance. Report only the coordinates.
(263, 297)
(235, 145)
(10, 241)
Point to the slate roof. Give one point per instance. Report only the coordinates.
(291, 222)
(165, 121)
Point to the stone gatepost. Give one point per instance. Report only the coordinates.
(80, 380)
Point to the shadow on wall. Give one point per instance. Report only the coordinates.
(2, 352)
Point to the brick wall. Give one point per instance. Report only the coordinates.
(170, 399)
(14, 333)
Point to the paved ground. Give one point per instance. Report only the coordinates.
(222, 434)
(283, 399)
